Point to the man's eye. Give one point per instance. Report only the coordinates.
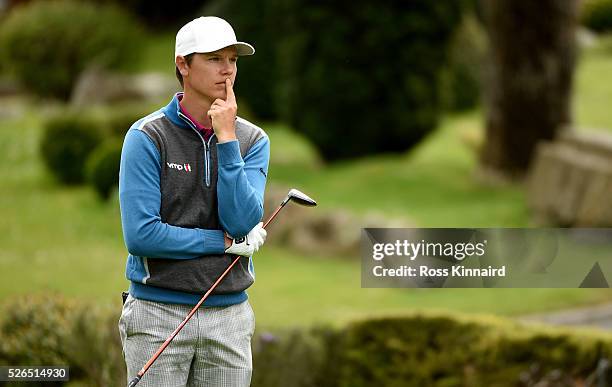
(234, 60)
(214, 59)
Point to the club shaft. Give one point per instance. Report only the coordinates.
(161, 349)
(274, 214)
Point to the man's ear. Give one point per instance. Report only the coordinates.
(182, 65)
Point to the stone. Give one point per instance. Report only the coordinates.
(97, 86)
(570, 180)
(330, 233)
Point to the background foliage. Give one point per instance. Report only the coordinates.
(597, 15)
(432, 350)
(68, 141)
(47, 44)
(364, 85)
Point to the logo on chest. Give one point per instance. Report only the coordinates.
(179, 167)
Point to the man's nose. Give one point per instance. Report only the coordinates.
(227, 68)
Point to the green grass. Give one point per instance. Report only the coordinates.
(57, 239)
(432, 186)
(297, 290)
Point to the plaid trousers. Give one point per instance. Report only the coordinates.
(213, 349)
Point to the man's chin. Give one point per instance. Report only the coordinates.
(214, 95)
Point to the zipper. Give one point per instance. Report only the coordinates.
(207, 154)
(206, 147)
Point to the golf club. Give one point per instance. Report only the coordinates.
(294, 195)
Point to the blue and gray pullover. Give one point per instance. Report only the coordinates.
(178, 195)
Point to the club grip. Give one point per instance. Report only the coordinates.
(134, 381)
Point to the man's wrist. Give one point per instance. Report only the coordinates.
(225, 137)
(228, 241)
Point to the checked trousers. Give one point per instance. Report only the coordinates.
(213, 349)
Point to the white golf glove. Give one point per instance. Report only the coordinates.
(250, 243)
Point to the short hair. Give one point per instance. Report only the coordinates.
(188, 59)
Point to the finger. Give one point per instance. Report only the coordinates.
(229, 89)
(218, 102)
(215, 108)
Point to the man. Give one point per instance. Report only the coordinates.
(191, 189)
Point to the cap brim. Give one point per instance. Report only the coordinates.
(244, 49)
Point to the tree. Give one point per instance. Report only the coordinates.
(532, 58)
(363, 77)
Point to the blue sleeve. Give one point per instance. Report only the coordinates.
(144, 233)
(241, 184)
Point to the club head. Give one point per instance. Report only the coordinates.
(300, 198)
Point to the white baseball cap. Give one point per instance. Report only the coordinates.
(208, 34)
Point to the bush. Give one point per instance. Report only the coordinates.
(462, 78)
(102, 168)
(94, 347)
(363, 79)
(118, 120)
(86, 146)
(53, 330)
(597, 15)
(33, 331)
(47, 44)
(444, 351)
(436, 351)
(299, 352)
(67, 142)
(417, 350)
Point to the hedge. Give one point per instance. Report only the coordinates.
(416, 349)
